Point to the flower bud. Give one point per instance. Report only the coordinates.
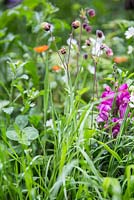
(84, 25)
(99, 34)
(62, 50)
(85, 56)
(109, 52)
(88, 28)
(46, 26)
(88, 42)
(76, 24)
(91, 12)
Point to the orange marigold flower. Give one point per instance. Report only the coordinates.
(41, 49)
(120, 59)
(56, 68)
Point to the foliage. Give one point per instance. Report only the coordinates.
(51, 144)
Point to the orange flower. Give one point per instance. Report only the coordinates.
(120, 59)
(41, 49)
(56, 68)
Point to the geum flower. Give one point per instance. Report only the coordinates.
(56, 68)
(113, 107)
(120, 59)
(41, 49)
(98, 47)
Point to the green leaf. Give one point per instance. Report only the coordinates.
(21, 121)
(3, 103)
(114, 154)
(30, 133)
(12, 135)
(8, 110)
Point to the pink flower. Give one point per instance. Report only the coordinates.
(109, 52)
(121, 99)
(116, 128)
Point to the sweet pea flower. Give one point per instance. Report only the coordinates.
(116, 112)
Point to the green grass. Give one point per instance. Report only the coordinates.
(51, 146)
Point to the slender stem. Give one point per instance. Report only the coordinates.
(95, 87)
(69, 50)
(79, 48)
(46, 89)
(62, 61)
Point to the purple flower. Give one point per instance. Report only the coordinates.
(117, 111)
(91, 12)
(116, 128)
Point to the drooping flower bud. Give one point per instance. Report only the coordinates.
(84, 25)
(88, 28)
(109, 52)
(62, 50)
(76, 24)
(88, 42)
(46, 26)
(99, 34)
(85, 56)
(91, 12)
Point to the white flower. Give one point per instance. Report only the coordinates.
(130, 32)
(96, 49)
(49, 123)
(72, 42)
(131, 103)
(130, 49)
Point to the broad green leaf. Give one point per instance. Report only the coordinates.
(30, 133)
(3, 103)
(21, 121)
(8, 110)
(12, 135)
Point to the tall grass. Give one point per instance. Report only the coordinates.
(51, 146)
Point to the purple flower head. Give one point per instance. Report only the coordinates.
(116, 128)
(91, 12)
(84, 25)
(88, 28)
(117, 111)
(99, 34)
(109, 52)
(123, 95)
